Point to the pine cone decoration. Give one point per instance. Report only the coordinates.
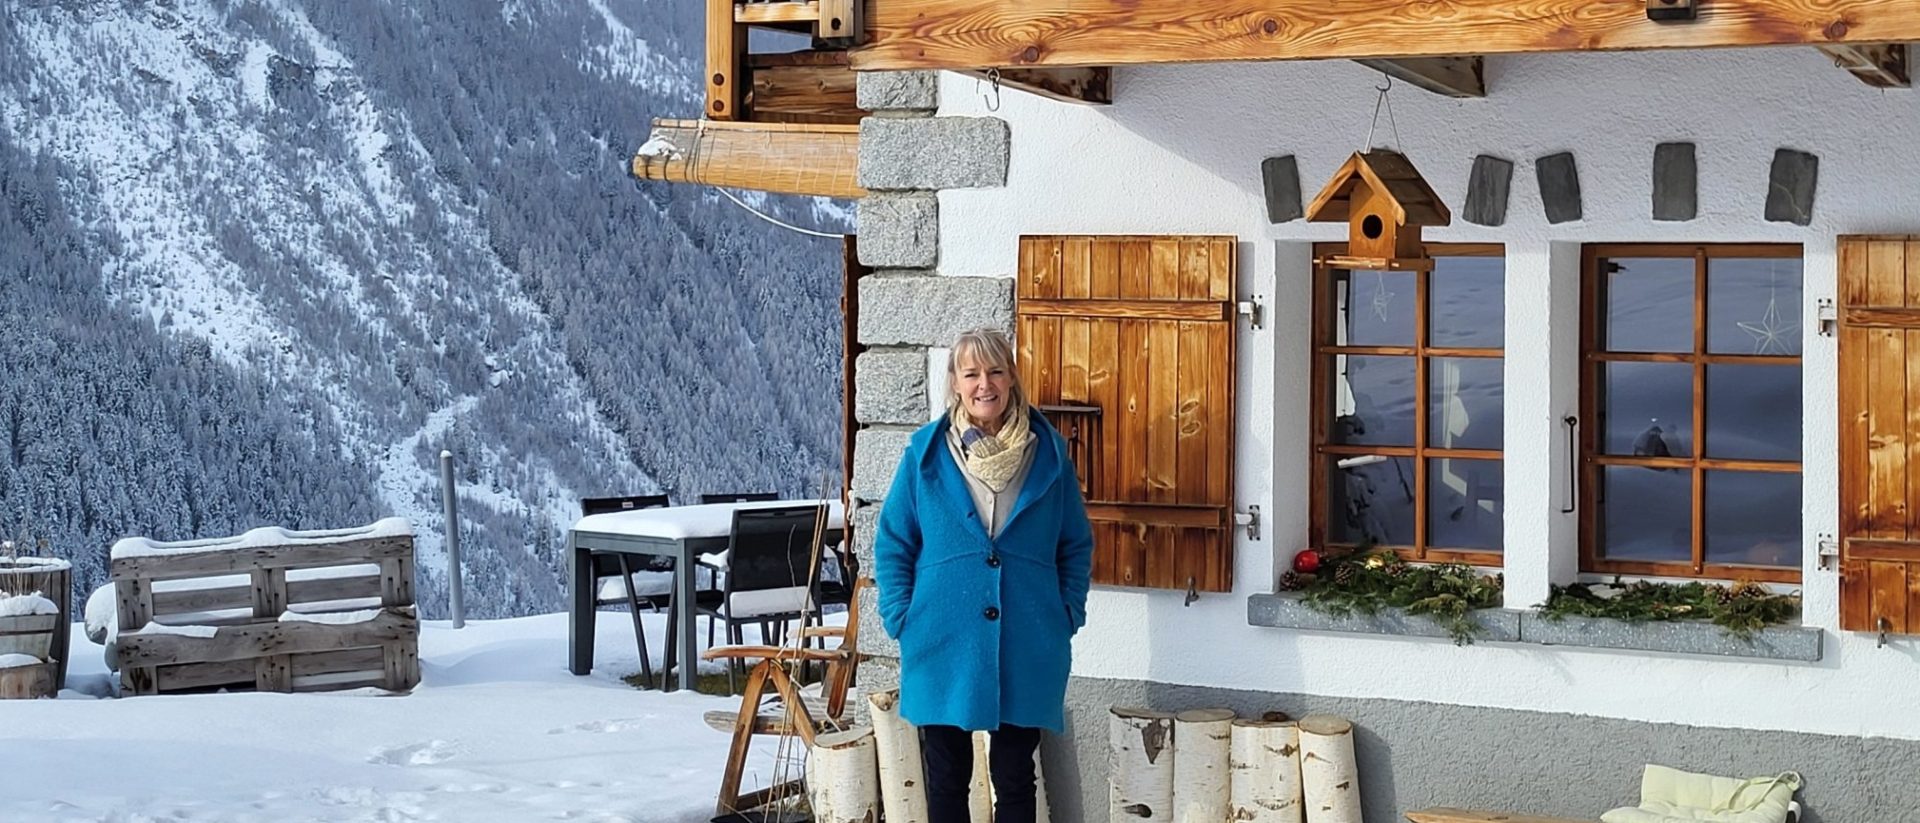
(1723, 595)
(1398, 570)
(1345, 574)
(1290, 581)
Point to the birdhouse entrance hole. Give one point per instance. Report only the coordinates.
(1372, 226)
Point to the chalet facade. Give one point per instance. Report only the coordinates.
(1661, 331)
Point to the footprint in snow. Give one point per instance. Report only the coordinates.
(415, 754)
(604, 726)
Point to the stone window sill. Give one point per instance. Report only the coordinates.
(1284, 610)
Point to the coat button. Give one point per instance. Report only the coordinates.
(991, 613)
(993, 561)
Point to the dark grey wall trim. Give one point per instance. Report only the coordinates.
(1414, 754)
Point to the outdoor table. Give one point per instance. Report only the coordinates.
(680, 532)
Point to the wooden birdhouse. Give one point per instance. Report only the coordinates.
(1384, 202)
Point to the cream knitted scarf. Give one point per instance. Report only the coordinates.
(994, 459)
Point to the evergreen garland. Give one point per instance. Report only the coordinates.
(1742, 609)
(1364, 582)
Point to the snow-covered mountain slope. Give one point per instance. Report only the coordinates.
(414, 217)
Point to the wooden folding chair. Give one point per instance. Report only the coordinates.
(790, 713)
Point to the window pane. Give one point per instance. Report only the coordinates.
(1753, 412)
(1753, 518)
(1649, 409)
(1753, 305)
(1372, 400)
(1463, 504)
(1373, 308)
(1467, 296)
(1649, 304)
(1466, 395)
(1371, 500)
(1648, 514)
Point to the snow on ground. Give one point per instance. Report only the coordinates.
(498, 730)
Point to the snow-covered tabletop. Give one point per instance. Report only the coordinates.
(690, 522)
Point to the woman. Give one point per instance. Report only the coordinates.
(982, 555)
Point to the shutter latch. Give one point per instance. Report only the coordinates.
(1251, 519)
(1829, 551)
(1251, 310)
(1826, 317)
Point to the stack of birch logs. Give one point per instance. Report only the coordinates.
(1207, 766)
(855, 775)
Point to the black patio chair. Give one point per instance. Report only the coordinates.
(769, 577)
(740, 497)
(621, 565)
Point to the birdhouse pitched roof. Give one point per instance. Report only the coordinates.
(1390, 174)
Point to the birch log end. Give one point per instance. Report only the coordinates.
(1200, 743)
(1329, 775)
(1264, 760)
(980, 795)
(903, 778)
(1140, 766)
(843, 777)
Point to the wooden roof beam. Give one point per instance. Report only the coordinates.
(785, 158)
(1881, 65)
(978, 34)
(1448, 76)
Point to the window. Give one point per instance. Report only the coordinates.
(1407, 406)
(1690, 393)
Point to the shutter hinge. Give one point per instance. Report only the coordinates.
(1826, 316)
(1251, 309)
(1250, 519)
(1829, 551)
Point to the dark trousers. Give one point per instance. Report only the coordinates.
(948, 752)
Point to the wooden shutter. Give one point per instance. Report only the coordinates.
(1128, 344)
(1879, 330)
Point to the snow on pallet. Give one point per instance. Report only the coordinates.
(272, 610)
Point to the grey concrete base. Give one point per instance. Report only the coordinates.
(1413, 755)
(1285, 610)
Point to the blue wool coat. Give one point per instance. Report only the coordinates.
(985, 626)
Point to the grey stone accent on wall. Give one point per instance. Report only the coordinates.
(890, 386)
(865, 517)
(874, 640)
(900, 230)
(1559, 186)
(897, 90)
(1487, 190)
(1413, 755)
(911, 310)
(933, 152)
(875, 674)
(1676, 182)
(1790, 187)
(876, 453)
(1280, 176)
(1286, 611)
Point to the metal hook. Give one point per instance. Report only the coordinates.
(1193, 591)
(1885, 626)
(1386, 88)
(993, 77)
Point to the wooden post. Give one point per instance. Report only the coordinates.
(1200, 740)
(1140, 766)
(843, 780)
(1329, 775)
(726, 47)
(903, 776)
(1264, 760)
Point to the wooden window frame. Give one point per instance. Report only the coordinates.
(1592, 363)
(1323, 350)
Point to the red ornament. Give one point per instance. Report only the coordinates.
(1307, 561)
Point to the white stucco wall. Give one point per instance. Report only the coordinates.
(1180, 152)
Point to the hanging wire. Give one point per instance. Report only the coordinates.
(762, 215)
(1387, 102)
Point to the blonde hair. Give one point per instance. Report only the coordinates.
(987, 348)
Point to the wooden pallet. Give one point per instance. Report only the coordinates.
(315, 615)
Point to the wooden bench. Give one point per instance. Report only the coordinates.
(270, 610)
(1443, 814)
